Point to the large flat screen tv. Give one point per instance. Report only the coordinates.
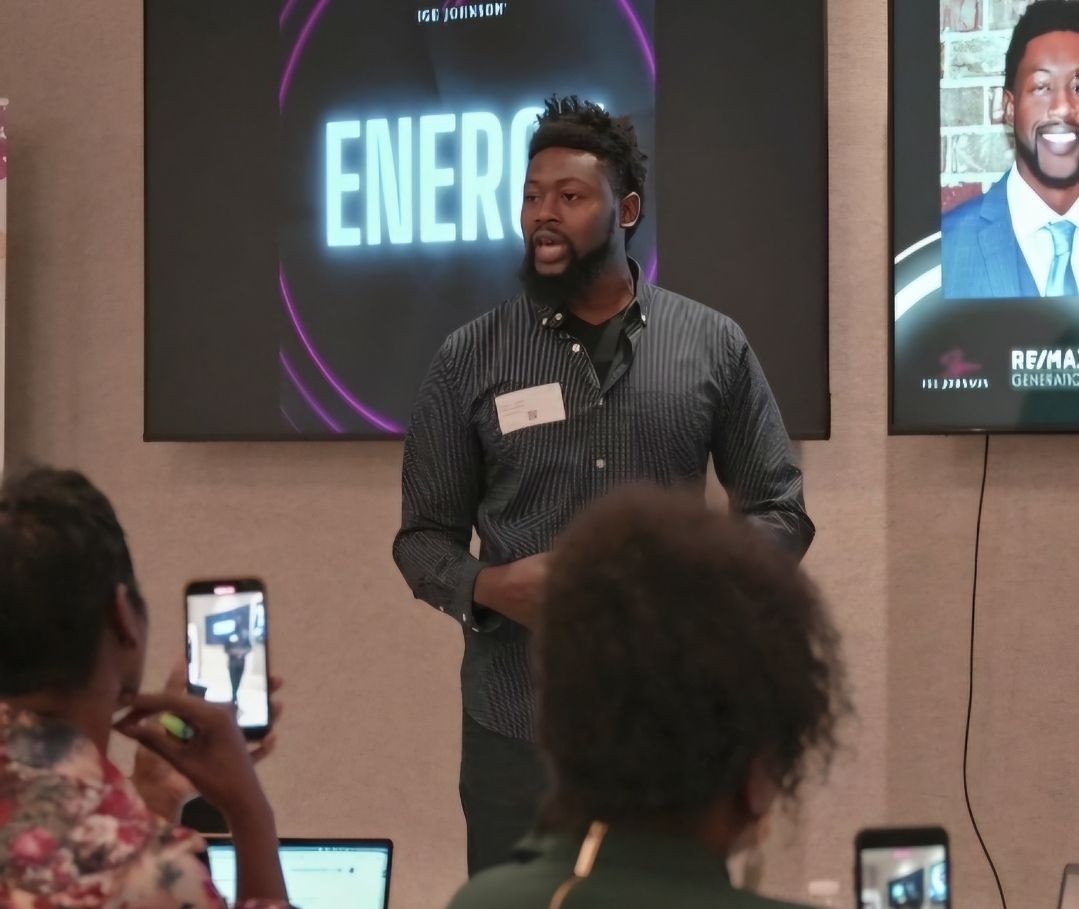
(985, 203)
(332, 186)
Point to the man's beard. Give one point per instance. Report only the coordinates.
(1030, 158)
(580, 274)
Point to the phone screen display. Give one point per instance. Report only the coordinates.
(226, 649)
(904, 876)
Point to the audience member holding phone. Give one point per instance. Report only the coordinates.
(73, 629)
(687, 671)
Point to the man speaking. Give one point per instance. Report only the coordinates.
(1018, 240)
(588, 379)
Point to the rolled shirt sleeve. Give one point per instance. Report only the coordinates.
(442, 479)
(751, 450)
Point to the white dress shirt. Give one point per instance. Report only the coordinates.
(1030, 214)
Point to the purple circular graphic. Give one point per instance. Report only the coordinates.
(363, 410)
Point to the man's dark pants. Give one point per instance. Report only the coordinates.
(502, 782)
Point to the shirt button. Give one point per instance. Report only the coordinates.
(601, 402)
(576, 348)
(600, 463)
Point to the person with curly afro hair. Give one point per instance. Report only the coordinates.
(688, 676)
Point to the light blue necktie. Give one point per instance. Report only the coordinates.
(1061, 278)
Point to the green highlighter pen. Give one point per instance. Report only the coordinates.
(175, 726)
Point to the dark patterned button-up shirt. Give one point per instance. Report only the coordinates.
(684, 385)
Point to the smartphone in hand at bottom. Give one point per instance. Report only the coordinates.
(227, 654)
(902, 867)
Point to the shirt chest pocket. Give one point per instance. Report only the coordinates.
(528, 471)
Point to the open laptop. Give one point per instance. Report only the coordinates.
(319, 873)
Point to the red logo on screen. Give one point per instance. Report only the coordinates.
(956, 365)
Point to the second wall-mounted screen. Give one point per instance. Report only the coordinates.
(985, 170)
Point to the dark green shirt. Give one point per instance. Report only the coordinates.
(632, 871)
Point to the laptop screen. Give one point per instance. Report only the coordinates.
(319, 874)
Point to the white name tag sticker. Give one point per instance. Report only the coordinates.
(530, 407)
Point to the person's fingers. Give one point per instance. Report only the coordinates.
(133, 717)
(276, 707)
(152, 736)
(194, 711)
(264, 748)
(161, 700)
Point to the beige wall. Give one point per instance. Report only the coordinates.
(370, 742)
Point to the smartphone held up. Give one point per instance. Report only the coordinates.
(902, 867)
(227, 653)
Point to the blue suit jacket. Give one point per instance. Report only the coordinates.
(980, 256)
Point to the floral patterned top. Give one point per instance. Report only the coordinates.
(74, 833)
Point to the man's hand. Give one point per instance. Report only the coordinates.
(515, 589)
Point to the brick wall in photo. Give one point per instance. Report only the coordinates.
(975, 146)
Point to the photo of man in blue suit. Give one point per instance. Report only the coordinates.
(1018, 239)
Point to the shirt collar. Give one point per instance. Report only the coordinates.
(668, 855)
(1029, 211)
(550, 317)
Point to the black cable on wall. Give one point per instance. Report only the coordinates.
(970, 680)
